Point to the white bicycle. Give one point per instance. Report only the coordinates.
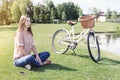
(63, 39)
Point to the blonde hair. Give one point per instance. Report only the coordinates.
(21, 24)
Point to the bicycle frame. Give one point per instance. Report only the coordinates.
(76, 38)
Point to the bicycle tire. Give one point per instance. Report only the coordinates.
(92, 42)
(56, 45)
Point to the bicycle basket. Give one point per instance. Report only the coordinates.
(87, 21)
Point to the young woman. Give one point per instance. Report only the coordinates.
(24, 44)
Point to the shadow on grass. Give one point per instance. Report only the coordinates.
(107, 61)
(53, 66)
(8, 28)
(103, 60)
(79, 55)
(84, 56)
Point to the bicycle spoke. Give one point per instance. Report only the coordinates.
(58, 41)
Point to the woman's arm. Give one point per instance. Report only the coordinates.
(19, 45)
(21, 50)
(36, 53)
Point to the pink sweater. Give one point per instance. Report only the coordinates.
(24, 40)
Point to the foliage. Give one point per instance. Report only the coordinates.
(11, 10)
(20, 7)
(50, 5)
(108, 14)
(52, 15)
(80, 12)
(15, 12)
(114, 15)
(95, 11)
(36, 13)
(30, 9)
(64, 17)
(71, 10)
(59, 11)
(5, 13)
(47, 12)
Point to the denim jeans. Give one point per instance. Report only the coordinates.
(30, 59)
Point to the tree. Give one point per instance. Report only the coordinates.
(52, 15)
(114, 15)
(80, 12)
(23, 8)
(42, 16)
(42, 13)
(59, 11)
(50, 10)
(5, 13)
(50, 5)
(108, 14)
(71, 10)
(15, 12)
(30, 10)
(47, 17)
(18, 8)
(95, 11)
(47, 14)
(36, 13)
(2, 14)
(64, 17)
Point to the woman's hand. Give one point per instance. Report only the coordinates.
(39, 60)
(37, 57)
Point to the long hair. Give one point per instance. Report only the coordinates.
(21, 24)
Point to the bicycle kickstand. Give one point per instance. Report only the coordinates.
(74, 52)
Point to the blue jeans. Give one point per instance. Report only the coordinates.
(30, 59)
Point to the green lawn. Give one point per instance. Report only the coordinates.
(63, 67)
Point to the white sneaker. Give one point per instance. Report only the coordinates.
(28, 66)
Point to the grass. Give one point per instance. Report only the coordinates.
(63, 67)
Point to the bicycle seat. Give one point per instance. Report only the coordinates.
(71, 23)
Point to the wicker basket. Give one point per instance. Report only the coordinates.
(87, 21)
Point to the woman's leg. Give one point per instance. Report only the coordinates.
(44, 55)
(29, 59)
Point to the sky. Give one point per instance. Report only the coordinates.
(85, 5)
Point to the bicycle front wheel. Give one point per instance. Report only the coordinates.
(93, 47)
(58, 45)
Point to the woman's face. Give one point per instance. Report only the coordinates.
(27, 22)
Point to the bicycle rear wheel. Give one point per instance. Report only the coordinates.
(93, 47)
(59, 37)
